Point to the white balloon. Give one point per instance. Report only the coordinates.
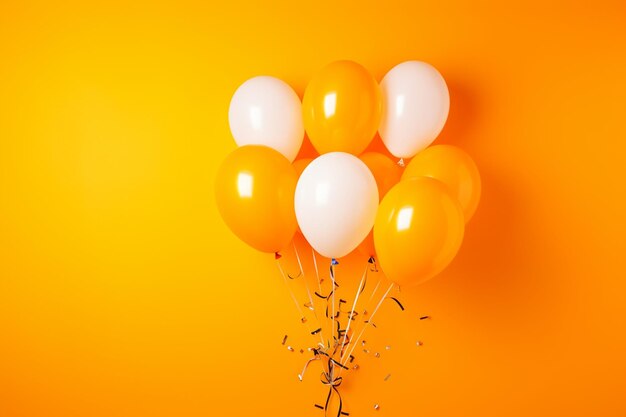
(336, 202)
(266, 111)
(416, 102)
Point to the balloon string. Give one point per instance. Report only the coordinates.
(308, 291)
(374, 291)
(371, 297)
(306, 366)
(293, 296)
(319, 284)
(332, 276)
(317, 274)
(356, 299)
(343, 363)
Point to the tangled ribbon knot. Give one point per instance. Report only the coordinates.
(332, 382)
(328, 380)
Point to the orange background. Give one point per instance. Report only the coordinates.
(122, 293)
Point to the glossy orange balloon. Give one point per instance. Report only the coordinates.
(453, 167)
(342, 108)
(255, 189)
(387, 174)
(418, 230)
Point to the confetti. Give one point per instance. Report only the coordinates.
(303, 320)
(324, 297)
(295, 276)
(377, 355)
(387, 347)
(290, 349)
(285, 339)
(424, 317)
(398, 302)
(355, 367)
(419, 343)
(376, 407)
(387, 377)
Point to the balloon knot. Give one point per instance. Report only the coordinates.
(371, 260)
(401, 162)
(334, 262)
(277, 255)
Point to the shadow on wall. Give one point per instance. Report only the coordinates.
(494, 271)
(460, 129)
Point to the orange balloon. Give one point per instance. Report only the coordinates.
(387, 174)
(418, 230)
(453, 167)
(342, 108)
(299, 166)
(255, 190)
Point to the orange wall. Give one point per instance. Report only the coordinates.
(122, 293)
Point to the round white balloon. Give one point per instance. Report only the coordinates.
(266, 111)
(416, 102)
(336, 202)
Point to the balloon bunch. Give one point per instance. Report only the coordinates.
(409, 220)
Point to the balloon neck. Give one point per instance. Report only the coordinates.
(333, 261)
(401, 162)
(372, 262)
